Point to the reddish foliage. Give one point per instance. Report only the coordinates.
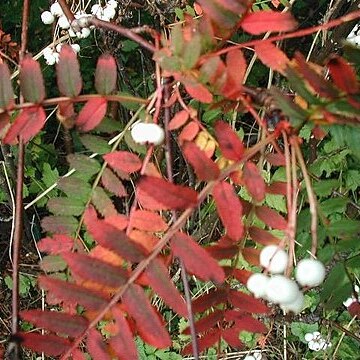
(231, 336)
(189, 132)
(251, 255)
(91, 114)
(271, 56)
(260, 22)
(207, 322)
(242, 275)
(197, 261)
(6, 91)
(276, 159)
(56, 244)
(96, 345)
(204, 167)
(229, 209)
(247, 303)
(220, 252)
(178, 120)
(206, 301)
(27, 124)
(105, 74)
(147, 320)
(254, 182)
(245, 322)
(230, 145)
(262, 236)
(147, 221)
(271, 218)
(123, 161)
(112, 183)
(159, 194)
(199, 92)
(277, 187)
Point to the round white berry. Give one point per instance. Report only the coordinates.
(310, 272)
(47, 51)
(281, 290)
(50, 59)
(112, 3)
(143, 133)
(257, 284)
(71, 33)
(109, 12)
(296, 306)
(249, 357)
(58, 47)
(63, 22)
(47, 17)
(56, 9)
(76, 47)
(96, 9)
(274, 259)
(308, 337)
(85, 32)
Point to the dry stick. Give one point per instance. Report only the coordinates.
(178, 224)
(19, 209)
(168, 158)
(311, 196)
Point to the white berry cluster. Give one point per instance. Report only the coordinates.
(256, 355)
(51, 55)
(354, 36)
(316, 342)
(279, 289)
(348, 302)
(147, 133)
(105, 13)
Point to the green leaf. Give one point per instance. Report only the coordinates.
(177, 40)
(75, 188)
(6, 91)
(66, 206)
(335, 205)
(347, 136)
(129, 45)
(96, 144)
(53, 263)
(49, 176)
(192, 52)
(352, 179)
(299, 329)
(325, 187)
(59, 224)
(102, 202)
(337, 287)
(85, 167)
(344, 228)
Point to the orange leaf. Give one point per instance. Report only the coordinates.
(271, 56)
(148, 221)
(91, 114)
(260, 22)
(199, 92)
(123, 161)
(56, 245)
(178, 120)
(189, 132)
(229, 209)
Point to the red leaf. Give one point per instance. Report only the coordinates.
(56, 245)
(271, 56)
(123, 161)
(260, 22)
(277, 188)
(276, 159)
(247, 303)
(197, 261)
(72, 325)
(95, 270)
(251, 255)
(229, 209)
(220, 252)
(204, 167)
(271, 218)
(235, 71)
(147, 320)
(31, 80)
(262, 237)
(231, 336)
(207, 322)
(317, 82)
(105, 74)
(112, 183)
(254, 182)
(159, 279)
(230, 145)
(91, 114)
(96, 346)
(208, 340)
(213, 298)
(199, 92)
(245, 322)
(148, 221)
(242, 275)
(6, 91)
(102, 202)
(343, 74)
(51, 345)
(119, 221)
(159, 194)
(179, 120)
(27, 124)
(123, 342)
(112, 238)
(147, 240)
(68, 72)
(73, 294)
(189, 132)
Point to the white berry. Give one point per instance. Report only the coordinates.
(309, 336)
(310, 272)
(274, 259)
(151, 133)
(249, 357)
(63, 22)
(295, 306)
(281, 290)
(96, 9)
(56, 9)
(109, 12)
(112, 3)
(257, 284)
(76, 47)
(85, 32)
(47, 17)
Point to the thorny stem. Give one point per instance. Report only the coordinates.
(169, 163)
(19, 208)
(311, 196)
(178, 224)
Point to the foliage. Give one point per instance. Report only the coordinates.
(125, 217)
